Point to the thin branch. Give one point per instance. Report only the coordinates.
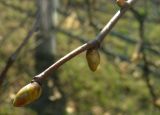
(95, 43)
(83, 40)
(107, 51)
(14, 55)
(141, 19)
(148, 82)
(118, 35)
(5, 37)
(127, 39)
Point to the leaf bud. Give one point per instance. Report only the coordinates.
(27, 94)
(93, 58)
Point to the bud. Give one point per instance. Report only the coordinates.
(93, 59)
(27, 94)
(121, 3)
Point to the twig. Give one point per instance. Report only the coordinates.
(83, 40)
(5, 37)
(107, 51)
(127, 39)
(146, 72)
(14, 55)
(148, 83)
(118, 35)
(95, 43)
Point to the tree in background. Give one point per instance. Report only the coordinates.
(44, 56)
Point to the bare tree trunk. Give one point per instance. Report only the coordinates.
(44, 56)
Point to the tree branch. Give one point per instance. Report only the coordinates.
(95, 43)
(146, 72)
(128, 39)
(83, 40)
(5, 37)
(107, 51)
(14, 55)
(118, 35)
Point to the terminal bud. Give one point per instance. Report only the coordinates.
(27, 94)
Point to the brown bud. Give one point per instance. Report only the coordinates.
(27, 94)
(93, 59)
(121, 3)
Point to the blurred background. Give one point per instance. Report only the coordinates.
(36, 33)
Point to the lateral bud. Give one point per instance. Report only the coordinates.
(93, 58)
(27, 94)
